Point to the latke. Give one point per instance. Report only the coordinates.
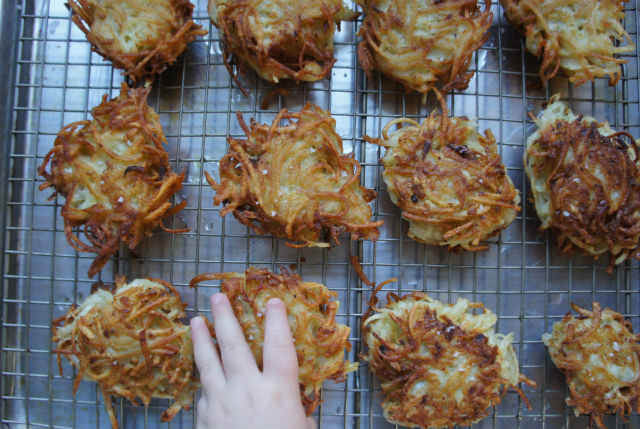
(131, 342)
(579, 36)
(294, 182)
(423, 43)
(114, 174)
(599, 355)
(585, 180)
(280, 39)
(448, 180)
(320, 342)
(439, 365)
(140, 36)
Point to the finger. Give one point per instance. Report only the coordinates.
(311, 423)
(279, 355)
(237, 358)
(206, 356)
(202, 412)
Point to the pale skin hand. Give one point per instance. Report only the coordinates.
(235, 394)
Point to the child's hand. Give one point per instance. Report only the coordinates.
(235, 394)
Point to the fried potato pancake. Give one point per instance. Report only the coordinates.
(294, 182)
(448, 180)
(423, 43)
(439, 365)
(580, 36)
(585, 180)
(320, 342)
(599, 355)
(280, 39)
(130, 341)
(114, 174)
(140, 36)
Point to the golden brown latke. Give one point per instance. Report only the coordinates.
(439, 364)
(448, 180)
(320, 342)
(130, 341)
(140, 36)
(114, 174)
(294, 182)
(423, 43)
(599, 355)
(578, 36)
(585, 179)
(280, 39)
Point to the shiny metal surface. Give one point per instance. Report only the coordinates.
(523, 277)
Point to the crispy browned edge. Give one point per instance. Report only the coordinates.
(234, 285)
(451, 77)
(98, 222)
(143, 64)
(493, 175)
(592, 403)
(392, 364)
(597, 221)
(89, 348)
(243, 205)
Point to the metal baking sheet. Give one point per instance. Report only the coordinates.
(53, 79)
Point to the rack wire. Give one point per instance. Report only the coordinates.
(522, 277)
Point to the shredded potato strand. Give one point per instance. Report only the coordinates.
(130, 341)
(578, 36)
(320, 342)
(114, 174)
(294, 182)
(600, 357)
(448, 181)
(423, 43)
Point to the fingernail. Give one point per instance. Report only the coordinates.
(196, 321)
(274, 302)
(217, 298)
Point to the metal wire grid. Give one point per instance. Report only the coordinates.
(523, 278)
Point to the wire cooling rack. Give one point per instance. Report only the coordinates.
(53, 79)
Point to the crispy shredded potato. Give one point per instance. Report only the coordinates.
(439, 364)
(114, 174)
(294, 182)
(423, 43)
(280, 39)
(130, 341)
(448, 180)
(599, 355)
(320, 342)
(585, 179)
(578, 36)
(140, 36)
